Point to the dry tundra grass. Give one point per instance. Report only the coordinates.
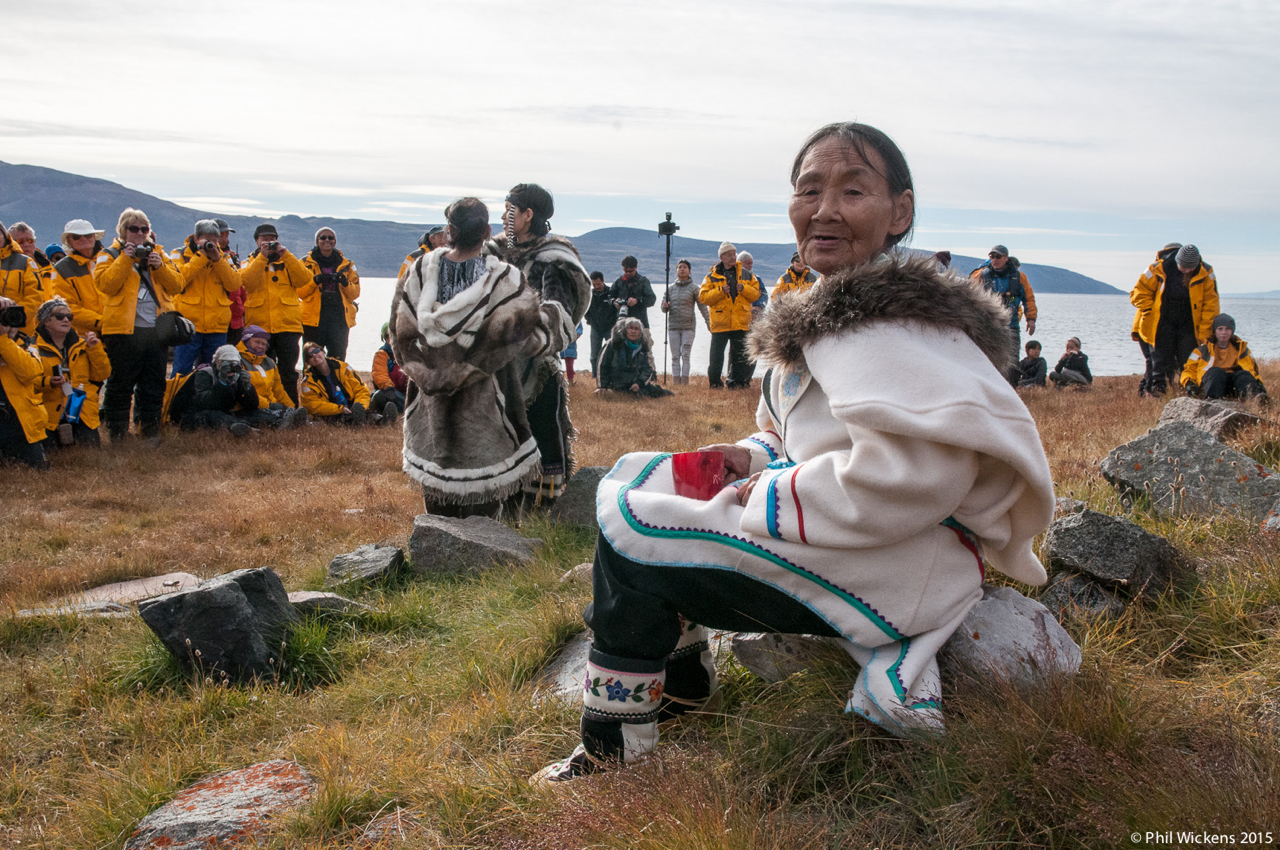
(425, 703)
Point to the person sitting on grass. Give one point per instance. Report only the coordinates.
(22, 416)
(331, 390)
(74, 371)
(1223, 367)
(625, 365)
(1073, 367)
(275, 409)
(389, 380)
(1033, 367)
(208, 397)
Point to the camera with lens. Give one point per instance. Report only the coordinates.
(668, 227)
(208, 245)
(272, 247)
(142, 252)
(14, 317)
(621, 304)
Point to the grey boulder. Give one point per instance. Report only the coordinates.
(1011, 638)
(1070, 595)
(313, 601)
(577, 504)
(232, 623)
(1186, 471)
(1117, 553)
(367, 563)
(1222, 419)
(101, 610)
(231, 809)
(774, 657)
(445, 544)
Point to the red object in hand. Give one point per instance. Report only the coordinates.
(698, 475)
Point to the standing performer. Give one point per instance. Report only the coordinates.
(550, 265)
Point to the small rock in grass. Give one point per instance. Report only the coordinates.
(1222, 419)
(580, 573)
(1117, 553)
(310, 601)
(577, 504)
(1070, 594)
(367, 563)
(474, 544)
(774, 657)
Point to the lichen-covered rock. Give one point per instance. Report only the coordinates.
(366, 563)
(774, 657)
(1222, 419)
(232, 623)
(1117, 553)
(231, 809)
(474, 544)
(1011, 638)
(1186, 471)
(577, 504)
(1070, 594)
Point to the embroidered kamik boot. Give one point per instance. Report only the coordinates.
(620, 700)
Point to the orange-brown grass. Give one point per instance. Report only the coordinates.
(425, 703)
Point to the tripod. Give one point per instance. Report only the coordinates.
(668, 229)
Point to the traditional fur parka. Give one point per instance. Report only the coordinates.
(466, 436)
(895, 462)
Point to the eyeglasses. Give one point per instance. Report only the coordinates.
(63, 317)
(133, 228)
(327, 239)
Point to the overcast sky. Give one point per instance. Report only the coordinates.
(1083, 134)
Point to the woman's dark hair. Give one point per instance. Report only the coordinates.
(531, 196)
(685, 263)
(469, 218)
(860, 137)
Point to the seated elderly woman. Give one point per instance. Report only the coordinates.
(22, 416)
(625, 364)
(861, 510)
(331, 390)
(464, 325)
(275, 409)
(74, 371)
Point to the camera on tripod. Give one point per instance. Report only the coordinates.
(668, 227)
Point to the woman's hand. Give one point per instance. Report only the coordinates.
(153, 260)
(737, 460)
(635, 388)
(91, 339)
(57, 381)
(744, 492)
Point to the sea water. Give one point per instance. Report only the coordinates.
(1102, 322)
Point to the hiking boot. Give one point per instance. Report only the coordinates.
(300, 418)
(390, 413)
(359, 415)
(579, 763)
(240, 429)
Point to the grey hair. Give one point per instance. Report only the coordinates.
(745, 255)
(46, 309)
(632, 320)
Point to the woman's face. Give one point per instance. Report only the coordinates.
(516, 221)
(326, 242)
(633, 333)
(842, 210)
(257, 345)
(316, 359)
(59, 321)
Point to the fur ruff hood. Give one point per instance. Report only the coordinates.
(891, 288)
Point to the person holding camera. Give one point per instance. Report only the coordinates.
(25, 237)
(329, 302)
(633, 292)
(75, 368)
(274, 280)
(20, 280)
(138, 284)
(73, 276)
(729, 294)
(209, 280)
(22, 416)
(601, 316)
(332, 391)
(208, 397)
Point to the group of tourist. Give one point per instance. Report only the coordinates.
(90, 329)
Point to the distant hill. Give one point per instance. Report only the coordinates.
(47, 199)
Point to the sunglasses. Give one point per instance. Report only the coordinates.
(327, 239)
(993, 256)
(63, 317)
(133, 228)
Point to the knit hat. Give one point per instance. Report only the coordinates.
(795, 256)
(1218, 321)
(223, 227)
(46, 310)
(726, 246)
(323, 229)
(265, 230)
(207, 227)
(252, 331)
(54, 248)
(999, 249)
(1188, 257)
(225, 354)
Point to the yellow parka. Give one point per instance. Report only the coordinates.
(311, 292)
(116, 275)
(207, 287)
(273, 292)
(20, 280)
(792, 282)
(84, 368)
(265, 376)
(1149, 289)
(1202, 359)
(20, 374)
(73, 283)
(728, 314)
(316, 399)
